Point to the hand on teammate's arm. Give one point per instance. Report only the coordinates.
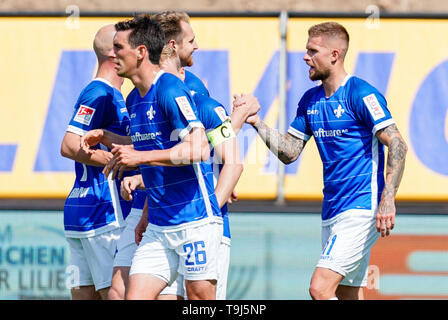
(106, 137)
(193, 148)
(142, 224)
(396, 156)
(70, 148)
(244, 106)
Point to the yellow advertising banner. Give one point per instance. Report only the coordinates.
(47, 62)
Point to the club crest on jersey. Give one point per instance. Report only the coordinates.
(150, 113)
(338, 112)
(84, 115)
(186, 108)
(374, 106)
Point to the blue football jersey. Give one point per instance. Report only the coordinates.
(195, 84)
(344, 127)
(95, 205)
(139, 197)
(212, 114)
(177, 196)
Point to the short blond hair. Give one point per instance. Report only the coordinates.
(330, 30)
(169, 21)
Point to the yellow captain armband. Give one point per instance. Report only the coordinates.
(220, 134)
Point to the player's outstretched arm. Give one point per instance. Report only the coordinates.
(71, 148)
(193, 148)
(228, 154)
(396, 156)
(106, 137)
(285, 146)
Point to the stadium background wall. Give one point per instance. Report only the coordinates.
(50, 58)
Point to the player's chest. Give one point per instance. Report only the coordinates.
(330, 114)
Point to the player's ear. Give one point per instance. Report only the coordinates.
(141, 52)
(335, 54)
(173, 44)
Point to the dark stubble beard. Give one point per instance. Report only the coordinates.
(320, 75)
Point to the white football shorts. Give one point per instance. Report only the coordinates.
(91, 259)
(191, 252)
(126, 248)
(346, 244)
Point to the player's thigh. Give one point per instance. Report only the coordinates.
(144, 287)
(120, 281)
(324, 283)
(153, 259)
(201, 289)
(349, 293)
(85, 293)
(175, 291)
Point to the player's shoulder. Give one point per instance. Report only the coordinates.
(167, 79)
(309, 95)
(359, 87)
(209, 107)
(203, 100)
(195, 84)
(99, 88)
(168, 84)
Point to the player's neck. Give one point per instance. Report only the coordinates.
(333, 82)
(108, 72)
(143, 79)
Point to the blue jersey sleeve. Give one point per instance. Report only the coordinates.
(90, 110)
(211, 113)
(299, 127)
(370, 106)
(195, 84)
(177, 103)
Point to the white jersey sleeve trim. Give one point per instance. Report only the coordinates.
(76, 130)
(298, 134)
(382, 125)
(191, 125)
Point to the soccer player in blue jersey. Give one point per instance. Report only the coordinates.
(350, 123)
(94, 211)
(185, 224)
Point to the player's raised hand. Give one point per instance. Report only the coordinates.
(385, 216)
(251, 103)
(91, 139)
(237, 101)
(127, 186)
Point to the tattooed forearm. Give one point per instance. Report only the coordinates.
(285, 146)
(395, 160)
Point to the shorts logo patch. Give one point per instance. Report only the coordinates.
(221, 112)
(84, 115)
(374, 107)
(186, 108)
